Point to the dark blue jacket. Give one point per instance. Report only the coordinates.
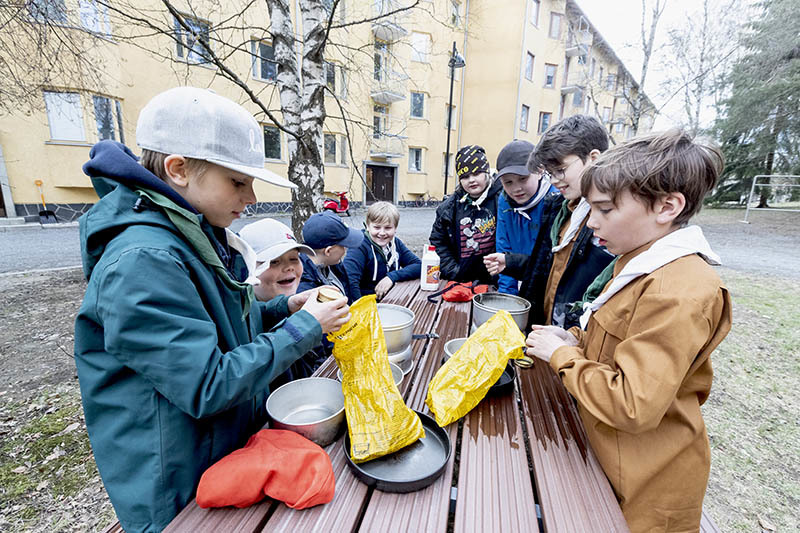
(313, 278)
(516, 233)
(586, 261)
(366, 266)
(173, 376)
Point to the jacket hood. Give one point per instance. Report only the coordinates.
(116, 174)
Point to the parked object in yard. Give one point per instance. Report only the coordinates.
(45, 215)
(342, 206)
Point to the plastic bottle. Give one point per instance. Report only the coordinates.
(429, 276)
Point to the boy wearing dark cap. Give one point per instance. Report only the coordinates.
(464, 229)
(327, 235)
(519, 207)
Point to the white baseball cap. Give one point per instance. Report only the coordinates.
(201, 124)
(270, 239)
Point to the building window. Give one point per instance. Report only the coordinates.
(620, 126)
(94, 16)
(449, 115)
(455, 13)
(380, 121)
(577, 99)
(550, 75)
(192, 42)
(529, 66)
(606, 114)
(330, 76)
(555, 25)
(523, 117)
(415, 159)
(52, 11)
(272, 142)
(449, 162)
(342, 81)
(264, 66)
(108, 117)
(592, 68)
(535, 4)
(600, 79)
(380, 61)
(65, 116)
(345, 149)
(587, 105)
(330, 149)
(611, 82)
(544, 121)
(418, 105)
(420, 47)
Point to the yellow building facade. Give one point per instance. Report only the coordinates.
(521, 65)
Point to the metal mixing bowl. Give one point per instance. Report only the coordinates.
(312, 407)
(398, 327)
(397, 374)
(452, 346)
(485, 305)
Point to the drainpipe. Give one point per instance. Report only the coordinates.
(463, 78)
(520, 75)
(8, 202)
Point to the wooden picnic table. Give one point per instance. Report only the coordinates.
(520, 462)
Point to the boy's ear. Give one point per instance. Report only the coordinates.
(669, 207)
(594, 154)
(327, 251)
(175, 168)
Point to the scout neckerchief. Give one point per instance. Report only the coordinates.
(575, 221)
(682, 242)
(186, 222)
(541, 192)
(389, 255)
(477, 202)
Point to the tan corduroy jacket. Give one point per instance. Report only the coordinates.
(640, 372)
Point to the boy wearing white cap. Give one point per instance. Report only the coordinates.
(174, 354)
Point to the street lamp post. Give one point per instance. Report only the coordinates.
(456, 61)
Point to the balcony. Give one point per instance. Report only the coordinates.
(388, 87)
(576, 82)
(577, 50)
(387, 146)
(388, 28)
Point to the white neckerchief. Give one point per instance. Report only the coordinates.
(249, 256)
(544, 188)
(481, 198)
(575, 220)
(391, 257)
(685, 241)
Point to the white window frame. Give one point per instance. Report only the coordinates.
(451, 117)
(280, 142)
(451, 168)
(325, 152)
(555, 73)
(535, 10)
(455, 13)
(258, 60)
(542, 114)
(530, 61)
(94, 17)
(555, 17)
(43, 10)
(115, 109)
(420, 47)
(606, 114)
(524, 115)
(186, 47)
(411, 107)
(413, 167)
(330, 75)
(65, 116)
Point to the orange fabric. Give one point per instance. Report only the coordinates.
(461, 292)
(277, 463)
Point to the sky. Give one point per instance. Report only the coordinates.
(619, 22)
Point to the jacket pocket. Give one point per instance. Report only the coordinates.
(614, 330)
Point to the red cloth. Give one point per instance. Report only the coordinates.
(462, 292)
(277, 463)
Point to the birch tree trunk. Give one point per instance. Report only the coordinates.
(302, 101)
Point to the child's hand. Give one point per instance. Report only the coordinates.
(330, 315)
(542, 342)
(495, 263)
(383, 287)
(296, 301)
(561, 333)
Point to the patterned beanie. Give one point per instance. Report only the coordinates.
(471, 159)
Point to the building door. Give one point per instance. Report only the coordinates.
(2, 204)
(380, 183)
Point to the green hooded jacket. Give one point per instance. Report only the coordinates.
(172, 377)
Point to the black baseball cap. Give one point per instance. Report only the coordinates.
(513, 158)
(327, 229)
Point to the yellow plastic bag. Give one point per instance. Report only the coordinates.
(463, 381)
(377, 418)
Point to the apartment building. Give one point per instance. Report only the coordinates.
(392, 105)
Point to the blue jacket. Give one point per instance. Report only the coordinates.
(517, 234)
(173, 376)
(366, 266)
(313, 278)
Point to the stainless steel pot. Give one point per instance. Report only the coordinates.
(398, 326)
(485, 305)
(452, 346)
(312, 407)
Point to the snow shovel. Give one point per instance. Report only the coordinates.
(45, 215)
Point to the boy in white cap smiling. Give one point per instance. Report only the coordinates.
(174, 354)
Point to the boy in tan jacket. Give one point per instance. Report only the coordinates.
(642, 367)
